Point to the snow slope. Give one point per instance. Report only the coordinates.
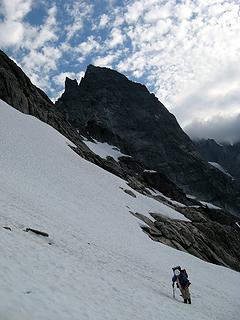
(100, 265)
(219, 167)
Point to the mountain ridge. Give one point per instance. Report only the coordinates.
(113, 109)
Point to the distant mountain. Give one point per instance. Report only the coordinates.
(110, 108)
(227, 155)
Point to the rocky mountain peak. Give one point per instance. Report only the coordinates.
(111, 108)
(103, 72)
(70, 84)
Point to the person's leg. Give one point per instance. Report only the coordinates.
(184, 294)
(188, 295)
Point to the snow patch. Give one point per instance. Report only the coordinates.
(210, 205)
(104, 150)
(158, 193)
(190, 196)
(219, 167)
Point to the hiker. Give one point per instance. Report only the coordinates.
(181, 278)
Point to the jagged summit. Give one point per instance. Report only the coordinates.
(111, 108)
(103, 72)
(69, 83)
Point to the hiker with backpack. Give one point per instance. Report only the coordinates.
(181, 279)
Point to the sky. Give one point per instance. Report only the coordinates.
(186, 52)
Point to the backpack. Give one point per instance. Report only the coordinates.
(183, 279)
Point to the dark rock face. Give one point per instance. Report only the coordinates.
(109, 107)
(16, 89)
(228, 156)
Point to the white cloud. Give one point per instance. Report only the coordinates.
(15, 10)
(12, 27)
(155, 13)
(211, 107)
(86, 47)
(38, 37)
(41, 53)
(135, 64)
(79, 11)
(104, 19)
(221, 129)
(116, 38)
(42, 61)
(134, 11)
(148, 11)
(16, 29)
(105, 61)
(183, 11)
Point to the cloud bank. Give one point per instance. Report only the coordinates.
(222, 129)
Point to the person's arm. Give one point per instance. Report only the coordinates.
(174, 279)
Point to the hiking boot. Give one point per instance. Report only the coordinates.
(189, 301)
(185, 301)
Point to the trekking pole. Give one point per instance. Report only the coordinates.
(173, 289)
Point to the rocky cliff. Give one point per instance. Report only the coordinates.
(109, 107)
(227, 155)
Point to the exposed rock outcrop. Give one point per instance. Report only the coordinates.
(204, 238)
(111, 108)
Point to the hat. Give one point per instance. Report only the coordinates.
(177, 272)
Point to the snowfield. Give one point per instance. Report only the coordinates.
(104, 150)
(96, 264)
